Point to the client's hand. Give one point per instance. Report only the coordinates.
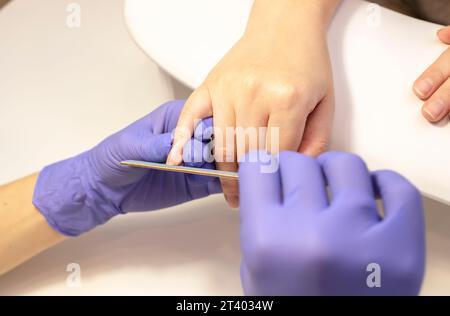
(433, 86)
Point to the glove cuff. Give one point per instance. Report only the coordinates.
(64, 194)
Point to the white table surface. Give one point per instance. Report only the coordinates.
(375, 65)
(61, 91)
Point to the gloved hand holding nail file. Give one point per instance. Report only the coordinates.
(79, 193)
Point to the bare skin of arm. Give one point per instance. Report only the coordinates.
(24, 231)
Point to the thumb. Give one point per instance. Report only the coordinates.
(155, 148)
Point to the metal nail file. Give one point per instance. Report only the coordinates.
(183, 169)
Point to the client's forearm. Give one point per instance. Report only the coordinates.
(24, 231)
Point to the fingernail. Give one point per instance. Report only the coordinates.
(232, 200)
(434, 110)
(423, 87)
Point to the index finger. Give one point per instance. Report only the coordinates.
(197, 107)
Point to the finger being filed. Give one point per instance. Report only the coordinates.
(438, 106)
(316, 137)
(197, 107)
(444, 35)
(427, 84)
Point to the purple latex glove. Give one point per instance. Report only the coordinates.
(295, 241)
(79, 193)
